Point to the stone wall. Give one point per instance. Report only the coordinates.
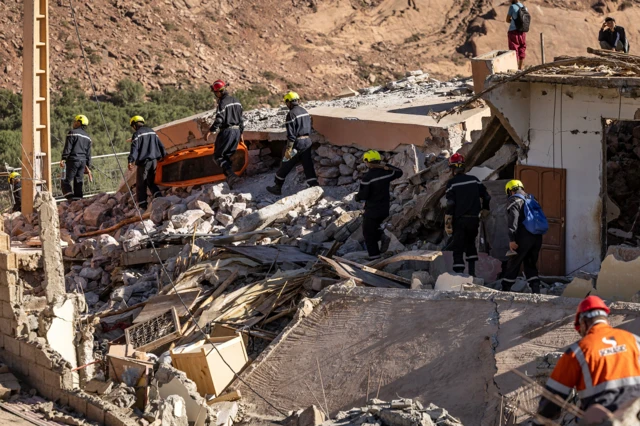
(28, 357)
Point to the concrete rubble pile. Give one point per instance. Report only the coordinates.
(416, 83)
(399, 412)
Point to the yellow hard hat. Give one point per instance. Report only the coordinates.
(136, 119)
(13, 175)
(512, 185)
(371, 155)
(291, 96)
(82, 119)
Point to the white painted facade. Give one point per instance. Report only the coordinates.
(575, 144)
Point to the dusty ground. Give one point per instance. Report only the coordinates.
(316, 47)
(8, 419)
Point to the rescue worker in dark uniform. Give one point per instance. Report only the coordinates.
(524, 246)
(16, 189)
(374, 191)
(463, 214)
(603, 366)
(231, 126)
(76, 157)
(298, 150)
(146, 151)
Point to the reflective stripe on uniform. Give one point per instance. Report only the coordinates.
(79, 135)
(472, 257)
(610, 385)
(227, 106)
(143, 134)
(279, 178)
(558, 387)
(533, 278)
(462, 183)
(378, 178)
(296, 117)
(459, 265)
(586, 374)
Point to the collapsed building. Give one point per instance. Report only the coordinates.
(221, 306)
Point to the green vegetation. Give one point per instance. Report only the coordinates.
(255, 96)
(157, 107)
(270, 75)
(183, 40)
(414, 38)
(170, 26)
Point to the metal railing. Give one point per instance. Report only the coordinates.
(106, 175)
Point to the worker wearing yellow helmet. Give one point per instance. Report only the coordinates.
(298, 149)
(16, 190)
(374, 191)
(146, 150)
(525, 241)
(76, 158)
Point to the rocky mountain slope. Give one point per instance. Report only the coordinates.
(315, 46)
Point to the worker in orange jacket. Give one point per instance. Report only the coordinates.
(603, 367)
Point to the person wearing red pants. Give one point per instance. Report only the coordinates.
(519, 19)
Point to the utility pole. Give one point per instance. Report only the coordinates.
(36, 107)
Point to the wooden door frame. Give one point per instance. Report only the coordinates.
(563, 176)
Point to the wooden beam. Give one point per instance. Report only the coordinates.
(146, 256)
(36, 105)
(231, 396)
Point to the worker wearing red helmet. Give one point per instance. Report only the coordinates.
(229, 123)
(467, 200)
(603, 366)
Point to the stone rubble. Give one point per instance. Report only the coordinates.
(400, 412)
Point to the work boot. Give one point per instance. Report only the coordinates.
(506, 286)
(535, 287)
(275, 189)
(385, 240)
(232, 180)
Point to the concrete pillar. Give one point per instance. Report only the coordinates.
(51, 252)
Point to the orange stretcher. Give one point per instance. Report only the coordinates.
(195, 166)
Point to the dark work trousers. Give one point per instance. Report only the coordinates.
(529, 246)
(145, 178)
(465, 231)
(72, 182)
(305, 157)
(226, 145)
(372, 232)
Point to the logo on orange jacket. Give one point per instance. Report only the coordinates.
(614, 349)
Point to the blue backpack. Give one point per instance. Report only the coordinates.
(534, 219)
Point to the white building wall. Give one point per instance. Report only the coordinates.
(575, 144)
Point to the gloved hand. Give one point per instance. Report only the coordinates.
(448, 225)
(484, 214)
(288, 153)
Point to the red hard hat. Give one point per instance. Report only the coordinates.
(456, 160)
(218, 85)
(590, 303)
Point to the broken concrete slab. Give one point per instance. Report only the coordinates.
(580, 288)
(354, 328)
(174, 412)
(619, 272)
(52, 254)
(196, 410)
(460, 282)
(267, 215)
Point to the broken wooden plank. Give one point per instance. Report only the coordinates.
(231, 396)
(244, 236)
(159, 305)
(419, 255)
(117, 226)
(359, 276)
(146, 256)
(375, 271)
(278, 253)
